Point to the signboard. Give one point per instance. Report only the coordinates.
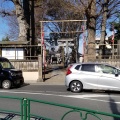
(13, 53)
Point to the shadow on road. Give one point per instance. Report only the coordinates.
(114, 107)
(53, 68)
(25, 84)
(54, 73)
(50, 77)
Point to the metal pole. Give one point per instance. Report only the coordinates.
(67, 49)
(25, 109)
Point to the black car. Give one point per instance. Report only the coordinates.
(9, 76)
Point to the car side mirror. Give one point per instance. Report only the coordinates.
(116, 73)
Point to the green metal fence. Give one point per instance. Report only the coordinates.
(26, 114)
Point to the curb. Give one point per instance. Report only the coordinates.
(43, 83)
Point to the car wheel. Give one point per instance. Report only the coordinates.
(76, 86)
(6, 84)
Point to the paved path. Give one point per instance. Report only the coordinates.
(54, 76)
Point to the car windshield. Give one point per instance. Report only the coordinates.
(6, 64)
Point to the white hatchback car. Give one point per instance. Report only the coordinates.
(92, 76)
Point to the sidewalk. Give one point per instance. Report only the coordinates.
(54, 76)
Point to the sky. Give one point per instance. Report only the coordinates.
(3, 28)
(3, 23)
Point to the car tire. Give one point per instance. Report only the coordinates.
(76, 86)
(6, 84)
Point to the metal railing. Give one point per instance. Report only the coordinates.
(26, 114)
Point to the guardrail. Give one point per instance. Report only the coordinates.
(26, 114)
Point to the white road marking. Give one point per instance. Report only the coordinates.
(86, 97)
(29, 93)
(91, 97)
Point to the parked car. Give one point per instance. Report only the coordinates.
(92, 76)
(9, 76)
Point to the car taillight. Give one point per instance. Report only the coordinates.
(68, 70)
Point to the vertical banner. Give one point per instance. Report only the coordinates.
(84, 42)
(113, 35)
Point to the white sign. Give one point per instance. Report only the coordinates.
(13, 53)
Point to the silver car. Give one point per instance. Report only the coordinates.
(92, 76)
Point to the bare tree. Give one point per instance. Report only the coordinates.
(23, 25)
(97, 13)
(91, 16)
(13, 27)
(110, 8)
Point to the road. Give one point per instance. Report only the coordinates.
(95, 100)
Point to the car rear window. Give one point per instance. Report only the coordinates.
(77, 67)
(88, 67)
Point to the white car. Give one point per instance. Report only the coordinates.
(92, 76)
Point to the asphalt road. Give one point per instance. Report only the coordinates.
(96, 100)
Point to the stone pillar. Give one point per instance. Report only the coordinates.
(118, 49)
(40, 78)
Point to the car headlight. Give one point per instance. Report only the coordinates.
(13, 74)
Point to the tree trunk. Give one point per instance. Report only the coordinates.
(23, 26)
(91, 25)
(103, 27)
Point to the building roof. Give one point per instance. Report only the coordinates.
(14, 42)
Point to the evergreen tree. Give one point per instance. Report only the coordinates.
(5, 39)
(117, 29)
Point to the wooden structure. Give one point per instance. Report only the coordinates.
(13, 49)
